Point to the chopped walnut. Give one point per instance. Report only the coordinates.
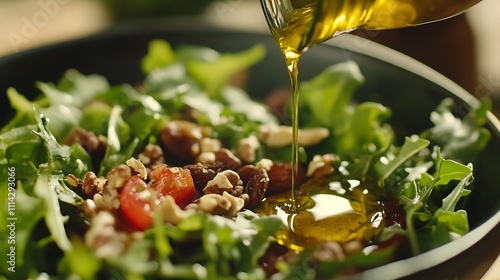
(223, 205)
(264, 164)
(138, 167)
(89, 186)
(171, 212)
(321, 165)
(103, 239)
(151, 156)
(108, 198)
(237, 204)
(248, 148)
(210, 145)
(206, 158)
(118, 176)
(225, 181)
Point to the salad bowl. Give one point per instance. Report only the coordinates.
(410, 89)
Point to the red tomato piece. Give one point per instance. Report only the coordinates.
(137, 210)
(176, 182)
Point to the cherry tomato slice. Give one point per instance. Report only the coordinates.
(137, 210)
(176, 182)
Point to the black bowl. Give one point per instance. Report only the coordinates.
(409, 88)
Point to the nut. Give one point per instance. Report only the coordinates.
(321, 165)
(256, 182)
(93, 144)
(88, 208)
(210, 145)
(171, 212)
(109, 198)
(89, 186)
(226, 159)
(225, 181)
(206, 158)
(103, 239)
(223, 205)
(182, 139)
(278, 136)
(201, 174)
(151, 156)
(138, 167)
(118, 176)
(248, 148)
(280, 177)
(265, 164)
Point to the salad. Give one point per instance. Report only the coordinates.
(165, 179)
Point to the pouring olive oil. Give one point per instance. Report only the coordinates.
(334, 209)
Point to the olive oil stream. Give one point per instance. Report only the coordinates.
(320, 211)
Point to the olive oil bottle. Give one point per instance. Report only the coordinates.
(299, 24)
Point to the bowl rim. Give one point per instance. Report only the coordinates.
(347, 42)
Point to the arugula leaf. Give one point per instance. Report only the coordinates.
(441, 225)
(239, 102)
(121, 144)
(67, 99)
(452, 170)
(215, 74)
(79, 261)
(62, 159)
(411, 146)
(357, 132)
(330, 91)
(19, 148)
(24, 110)
(159, 54)
(461, 139)
(45, 189)
(233, 247)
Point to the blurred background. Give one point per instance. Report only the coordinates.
(465, 48)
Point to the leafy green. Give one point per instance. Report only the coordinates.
(213, 75)
(460, 138)
(230, 247)
(358, 132)
(160, 54)
(24, 110)
(410, 147)
(209, 68)
(443, 224)
(234, 246)
(45, 189)
(79, 262)
(330, 91)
